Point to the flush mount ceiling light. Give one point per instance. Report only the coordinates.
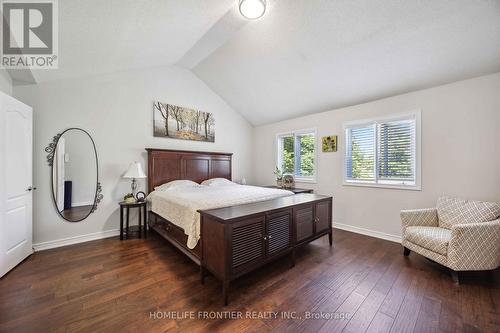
(252, 9)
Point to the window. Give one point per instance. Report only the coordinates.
(383, 152)
(297, 154)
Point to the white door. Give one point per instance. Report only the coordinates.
(16, 191)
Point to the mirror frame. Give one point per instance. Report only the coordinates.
(51, 149)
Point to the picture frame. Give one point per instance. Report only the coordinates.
(329, 143)
(178, 122)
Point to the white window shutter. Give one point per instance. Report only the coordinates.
(396, 151)
(360, 153)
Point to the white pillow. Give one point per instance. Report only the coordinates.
(217, 182)
(176, 184)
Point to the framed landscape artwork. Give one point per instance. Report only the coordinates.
(329, 143)
(177, 122)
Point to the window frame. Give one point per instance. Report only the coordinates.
(278, 153)
(377, 183)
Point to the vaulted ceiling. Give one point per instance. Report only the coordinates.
(307, 56)
(105, 36)
(303, 56)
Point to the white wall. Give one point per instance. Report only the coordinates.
(117, 110)
(460, 153)
(5, 82)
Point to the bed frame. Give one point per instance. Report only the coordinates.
(166, 165)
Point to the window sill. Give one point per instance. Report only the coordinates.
(387, 186)
(305, 180)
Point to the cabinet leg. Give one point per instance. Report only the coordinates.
(406, 252)
(128, 213)
(330, 237)
(292, 259)
(121, 223)
(225, 292)
(140, 223)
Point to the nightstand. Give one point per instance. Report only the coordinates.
(293, 189)
(142, 210)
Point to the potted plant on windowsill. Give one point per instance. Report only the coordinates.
(279, 177)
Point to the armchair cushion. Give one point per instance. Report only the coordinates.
(419, 217)
(453, 211)
(475, 246)
(431, 238)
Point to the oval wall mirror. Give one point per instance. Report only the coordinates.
(76, 190)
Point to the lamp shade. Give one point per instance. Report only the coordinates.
(135, 171)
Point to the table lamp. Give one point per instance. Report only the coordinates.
(134, 172)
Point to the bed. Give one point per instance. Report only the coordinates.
(173, 213)
(227, 229)
(180, 204)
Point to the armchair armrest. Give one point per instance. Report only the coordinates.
(426, 217)
(475, 246)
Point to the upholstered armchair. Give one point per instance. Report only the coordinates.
(459, 234)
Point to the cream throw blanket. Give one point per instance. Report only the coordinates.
(180, 205)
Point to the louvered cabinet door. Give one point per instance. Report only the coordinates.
(248, 244)
(323, 217)
(279, 232)
(304, 223)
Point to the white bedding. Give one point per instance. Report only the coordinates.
(180, 205)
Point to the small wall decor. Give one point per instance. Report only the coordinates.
(177, 122)
(329, 143)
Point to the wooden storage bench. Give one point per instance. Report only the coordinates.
(238, 239)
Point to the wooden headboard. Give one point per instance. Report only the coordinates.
(167, 165)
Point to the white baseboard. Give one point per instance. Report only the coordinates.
(115, 232)
(75, 240)
(367, 232)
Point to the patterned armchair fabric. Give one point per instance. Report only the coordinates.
(462, 235)
(433, 238)
(419, 217)
(475, 246)
(453, 211)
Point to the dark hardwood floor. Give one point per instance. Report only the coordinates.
(113, 286)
